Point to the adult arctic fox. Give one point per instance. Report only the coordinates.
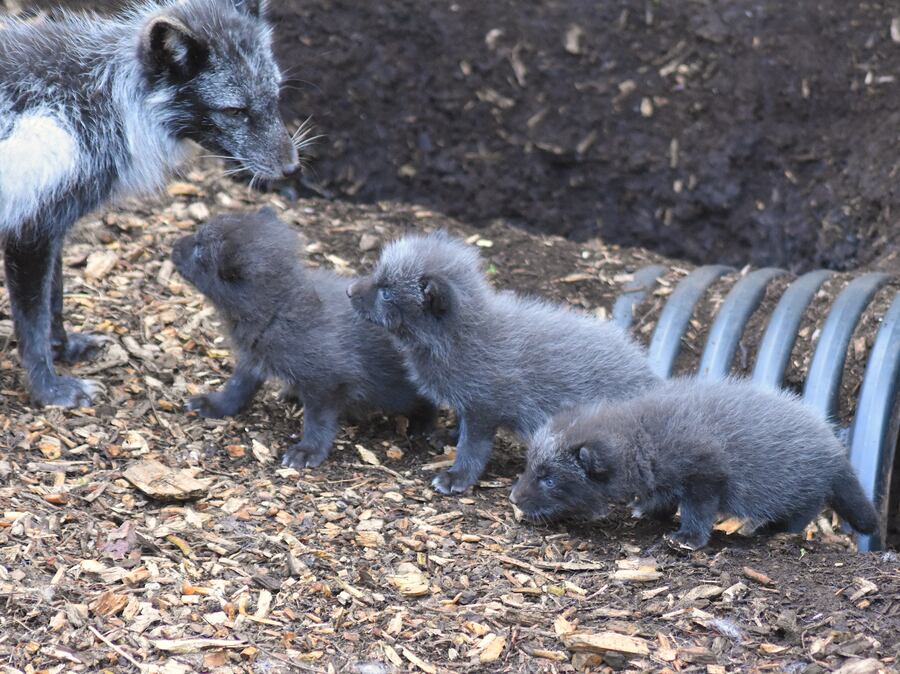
(93, 108)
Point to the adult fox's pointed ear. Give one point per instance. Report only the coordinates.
(168, 46)
(255, 8)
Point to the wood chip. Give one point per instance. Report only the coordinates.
(573, 39)
(419, 662)
(161, 482)
(757, 576)
(601, 642)
(410, 581)
(182, 189)
(367, 456)
(491, 648)
(195, 645)
(99, 264)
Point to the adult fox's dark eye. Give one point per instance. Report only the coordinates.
(234, 112)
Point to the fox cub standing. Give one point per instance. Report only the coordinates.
(497, 358)
(294, 324)
(94, 108)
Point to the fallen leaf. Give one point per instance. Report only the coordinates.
(772, 649)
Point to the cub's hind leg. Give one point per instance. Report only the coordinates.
(320, 427)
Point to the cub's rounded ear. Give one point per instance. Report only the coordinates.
(594, 463)
(167, 45)
(254, 8)
(230, 263)
(437, 296)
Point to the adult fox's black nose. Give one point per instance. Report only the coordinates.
(289, 159)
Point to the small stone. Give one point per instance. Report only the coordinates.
(368, 242)
(198, 211)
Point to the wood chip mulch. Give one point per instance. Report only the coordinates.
(136, 538)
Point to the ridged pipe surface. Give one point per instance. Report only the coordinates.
(781, 331)
(634, 292)
(731, 319)
(673, 320)
(823, 380)
(873, 434)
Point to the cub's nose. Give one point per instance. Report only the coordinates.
(513, 496)
(358, 288)
(289, 168)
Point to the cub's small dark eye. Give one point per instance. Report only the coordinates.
(233, 112)
(197, 251)
(548, 482)
(385, 294)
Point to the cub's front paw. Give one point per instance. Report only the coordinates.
(65, 392)
(453, 482)
(686, 540)
(207, 405)
(303, 456)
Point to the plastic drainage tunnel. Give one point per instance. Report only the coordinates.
(834, 338)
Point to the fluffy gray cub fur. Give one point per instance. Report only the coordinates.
(729, 448)
(496, 358)
(296, 325)
(93, 108)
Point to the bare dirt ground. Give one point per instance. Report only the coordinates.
(358, 566)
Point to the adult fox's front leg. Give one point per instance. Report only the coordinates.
(75, 346)
(30, 261)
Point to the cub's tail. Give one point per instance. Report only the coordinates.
(850, 502)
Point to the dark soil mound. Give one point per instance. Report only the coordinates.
(749, 131)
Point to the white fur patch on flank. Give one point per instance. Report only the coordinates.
(37, 158)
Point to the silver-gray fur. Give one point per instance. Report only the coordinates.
(296, 325)
(729, 447)
(496, 358)
(93, 108)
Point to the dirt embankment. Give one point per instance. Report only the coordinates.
(748, 131)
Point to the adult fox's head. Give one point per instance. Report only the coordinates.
(213, 60)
